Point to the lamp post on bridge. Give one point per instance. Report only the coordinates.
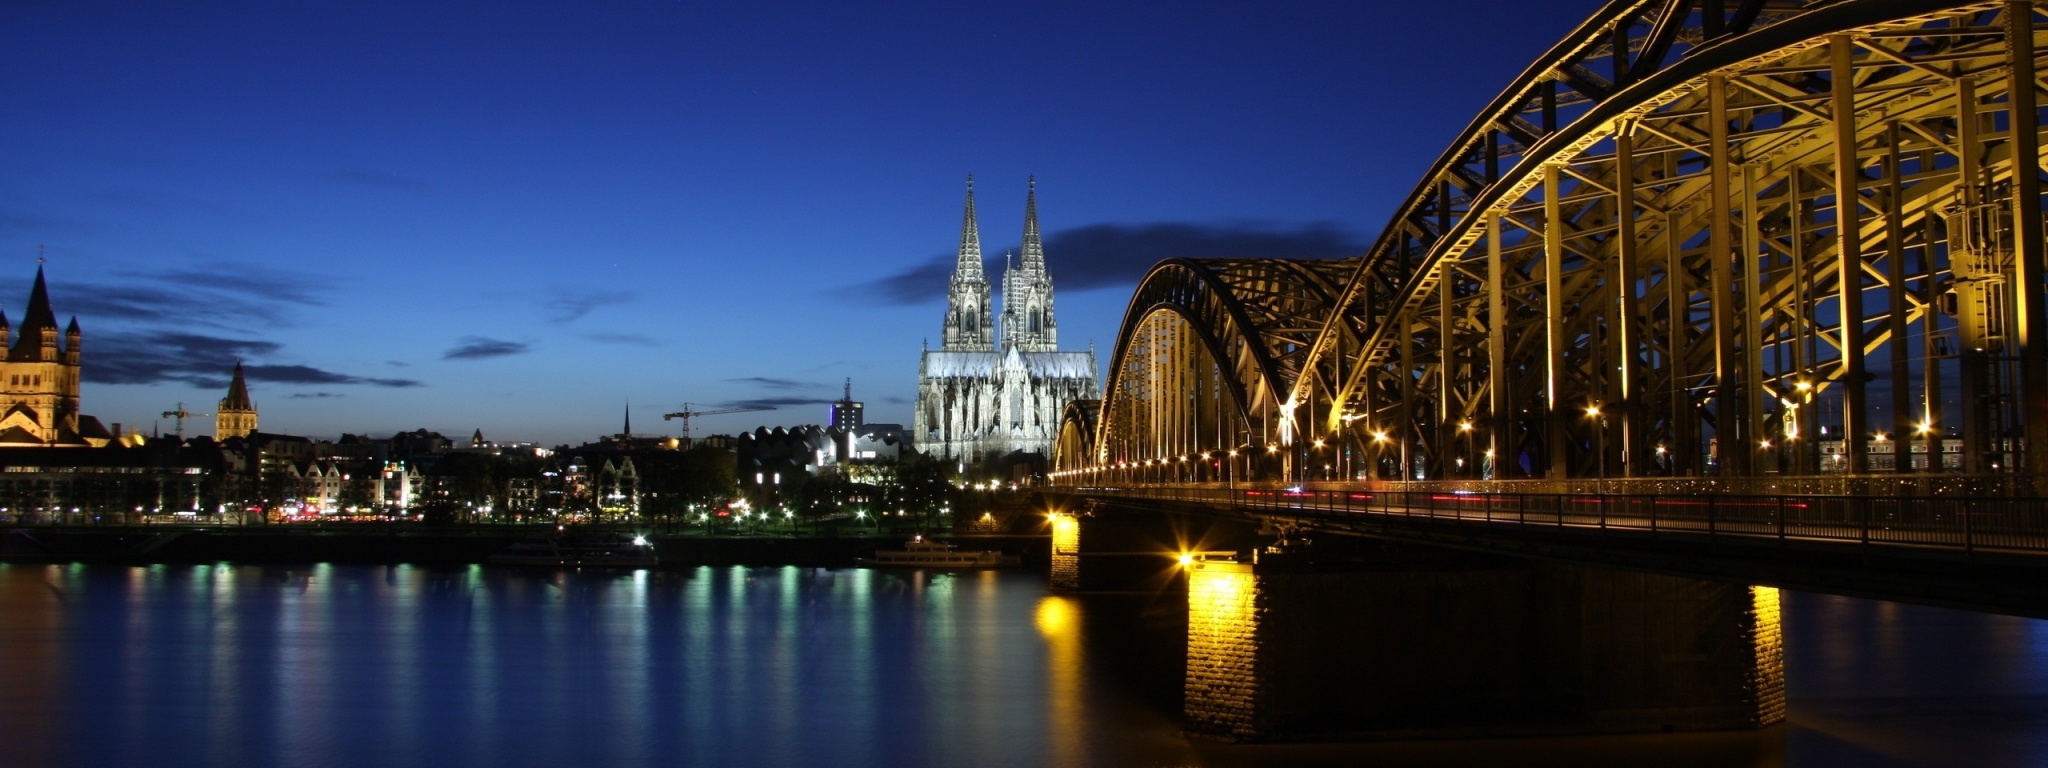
(1600, 445)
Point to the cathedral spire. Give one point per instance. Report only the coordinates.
(969, 261)
(1034, 251)
(1027, 288)
(967, 299)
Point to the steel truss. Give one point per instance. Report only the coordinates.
(1208, 351)
(1629, 265)
(1641, 274)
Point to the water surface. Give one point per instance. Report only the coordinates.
(408, 666)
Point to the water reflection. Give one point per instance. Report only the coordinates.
(230, 666)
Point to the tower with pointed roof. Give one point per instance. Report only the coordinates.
(1027, 289)
(39, 380)
(992, 390)
(236, 416)
(967, 295)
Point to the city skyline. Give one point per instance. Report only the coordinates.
(522, 219)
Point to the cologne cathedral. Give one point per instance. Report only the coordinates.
(998, 386)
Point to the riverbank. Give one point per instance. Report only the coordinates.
(387, 544)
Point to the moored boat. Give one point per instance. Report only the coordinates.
(921, 552)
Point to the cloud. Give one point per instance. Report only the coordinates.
(1118, 255)
(632, 339)
(769, 383)
(894, 400)
(772, 403)
(202, 361)
(479, 348)
(312, 395)
(568, 306)
(217, 295)
(398, 363)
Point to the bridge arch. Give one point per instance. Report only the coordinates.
(1630, 263)
(1207, 351)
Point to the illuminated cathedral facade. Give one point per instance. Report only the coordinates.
(998, 383)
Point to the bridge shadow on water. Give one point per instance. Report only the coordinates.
(1459, 673)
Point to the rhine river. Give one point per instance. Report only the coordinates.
(409, 666)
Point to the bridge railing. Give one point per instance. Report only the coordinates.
(2003, 524)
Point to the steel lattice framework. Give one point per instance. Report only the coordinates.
(1632, 263)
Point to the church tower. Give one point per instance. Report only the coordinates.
(236, 416)
(967, 300)
(1027, 290)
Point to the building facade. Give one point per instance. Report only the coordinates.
(236, 415)
(39, 382)
(997, 384)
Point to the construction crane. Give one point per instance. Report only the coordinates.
(181, 415)
(688, 412)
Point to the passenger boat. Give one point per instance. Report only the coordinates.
(920, 552)
(584, 550)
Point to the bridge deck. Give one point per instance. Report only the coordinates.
(1978, 553)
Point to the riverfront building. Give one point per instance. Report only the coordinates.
(998, 386)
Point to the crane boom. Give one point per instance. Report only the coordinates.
(181, 415)
(688, 412)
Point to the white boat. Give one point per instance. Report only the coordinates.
(598, 550)
(920, 552)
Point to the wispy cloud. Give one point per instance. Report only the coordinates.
(1118, 255)
(567, 306)
(628, 339)
(217, 295)
(772, 383)
(479, 348)
(778, 402)
(203, 361)
(313, 395)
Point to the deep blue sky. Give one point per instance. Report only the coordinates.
(519, 214)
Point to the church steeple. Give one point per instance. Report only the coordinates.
(1027, 289)
(38, 327)
(967, 297)
(236, 416)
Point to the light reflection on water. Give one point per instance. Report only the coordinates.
(222, 665)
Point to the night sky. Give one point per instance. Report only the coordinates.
(520, 215)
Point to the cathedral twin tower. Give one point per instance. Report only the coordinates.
(998, 386)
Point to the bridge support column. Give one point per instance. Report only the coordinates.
(1066, 552)
(1440, 649)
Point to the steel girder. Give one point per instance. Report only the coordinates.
(1207, 350)
(1074, 449)
(1630, 264)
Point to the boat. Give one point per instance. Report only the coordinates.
(584, 550)
(920, 552)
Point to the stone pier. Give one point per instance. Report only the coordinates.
(1474, 647)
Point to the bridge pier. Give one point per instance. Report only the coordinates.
(1451, 645)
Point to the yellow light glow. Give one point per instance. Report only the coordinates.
(1592, 410)
(1186, 559)
(1464, 426)
(1055, 616)
(1379, 437)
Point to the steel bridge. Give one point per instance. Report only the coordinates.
(1698, 247)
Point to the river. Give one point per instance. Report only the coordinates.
(331, 665)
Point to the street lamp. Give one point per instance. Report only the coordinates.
(1599, 444)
